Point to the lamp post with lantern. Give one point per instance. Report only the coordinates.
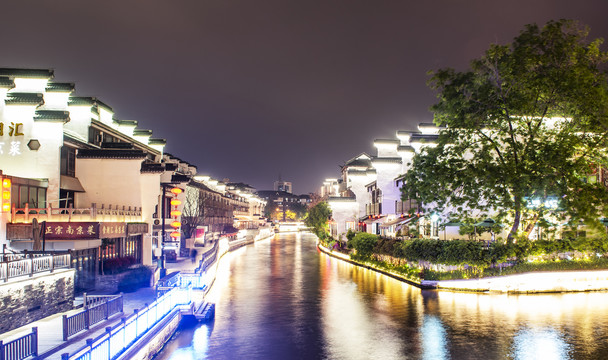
(175, 234)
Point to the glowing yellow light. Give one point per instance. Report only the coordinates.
(176, 190)
(176, 202)
(176, 213)
(175, 234)
(176, 224)
(6, 182)
(6, 195)
(6, 207)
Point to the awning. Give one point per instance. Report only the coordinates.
(373, 220)
(399, 221)
(70, 183)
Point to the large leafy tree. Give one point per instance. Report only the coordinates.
(318, 218)
(522, 130)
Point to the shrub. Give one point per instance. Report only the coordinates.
(364, 243)
(136, 278)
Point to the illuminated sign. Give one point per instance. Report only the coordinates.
(71, 230)
(112, 229)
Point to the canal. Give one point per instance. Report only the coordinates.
(282, 299)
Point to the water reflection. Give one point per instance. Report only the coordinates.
(282, 299)
(543, 343)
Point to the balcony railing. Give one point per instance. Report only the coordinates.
(402, 207)
(93, 213)
(373, 209)
(31, 264)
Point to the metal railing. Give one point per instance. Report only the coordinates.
(402, 207)
(32, 264)
(20, 348)
(91, 315)
(118, 338)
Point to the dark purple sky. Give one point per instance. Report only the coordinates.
(249, 89)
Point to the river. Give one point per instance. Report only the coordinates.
(283, 299)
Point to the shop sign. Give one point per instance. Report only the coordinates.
(136, 229)
(200, 234)
(71, 230)
(112, 230)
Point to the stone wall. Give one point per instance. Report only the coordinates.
(27, 299)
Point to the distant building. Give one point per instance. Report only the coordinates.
(283, 186)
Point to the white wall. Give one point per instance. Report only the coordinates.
(109, 182)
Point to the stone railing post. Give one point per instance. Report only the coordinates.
(93, 211)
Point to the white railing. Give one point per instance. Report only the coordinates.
(93, 213)
(28, 266)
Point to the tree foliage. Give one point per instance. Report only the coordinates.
(317, 219)
(526, 124)
(364, 244)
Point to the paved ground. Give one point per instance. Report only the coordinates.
(50, 334)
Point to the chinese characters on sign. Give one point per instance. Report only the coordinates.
(112, 229)
(71, 230)
(13, 147)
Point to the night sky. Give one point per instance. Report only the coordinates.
(249, 89)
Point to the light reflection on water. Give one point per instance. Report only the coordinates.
(282, 299)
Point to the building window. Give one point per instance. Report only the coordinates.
(66, 198)
(34, 196)
(68, 161)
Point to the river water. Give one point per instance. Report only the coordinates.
(283, 299)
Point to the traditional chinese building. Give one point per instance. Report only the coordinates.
(90, 180)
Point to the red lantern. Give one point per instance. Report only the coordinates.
(176, 213)
(176, 190)
(176, 202)
(175, 234)
(176, 224)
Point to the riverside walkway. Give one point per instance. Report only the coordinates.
(50, 335)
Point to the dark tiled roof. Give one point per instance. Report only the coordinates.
(116, 145)
(142, 132)
(89, 100)
(110, 154)
(403, 148)
(126, 122)
(27, 73)
(103, 105)
(171, 166)
(180, 178)
(156, 141)
(387, 160)
(359, 162)
(59, 87)
(424, 137)
(82, 100)
(6, 83)
(52, 115)
(152, 168)
(24, 99)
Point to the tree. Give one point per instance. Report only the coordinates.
(522, 129)
(364, 243)
(195, 211)
(317, 219)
